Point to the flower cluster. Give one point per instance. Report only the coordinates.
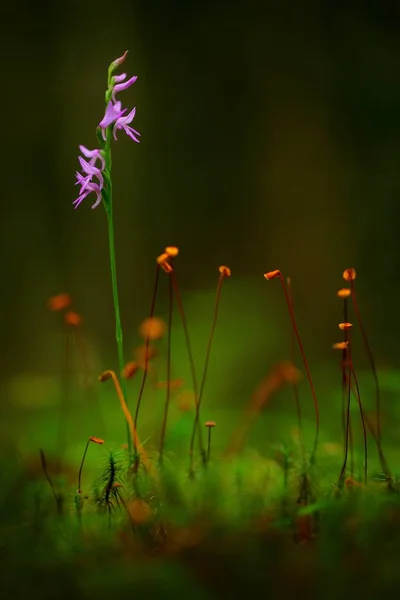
(115, 116)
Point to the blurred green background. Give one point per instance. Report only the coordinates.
(270, 138)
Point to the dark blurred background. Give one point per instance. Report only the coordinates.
(270, 138)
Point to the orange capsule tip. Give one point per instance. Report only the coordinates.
(171, 251)
(343, 326)
(73, 319)
(272, 274)
(210, 423)
(105, 376)
(96, 440)
(162, 258)
(173, 384)
(351, 481)
(152, 328)
(225, 271)
(130, 369)
(349, 274)
(59, 302)
(340, 346)
(344, 293)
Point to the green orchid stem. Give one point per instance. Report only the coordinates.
(107, 200)
(118, 328)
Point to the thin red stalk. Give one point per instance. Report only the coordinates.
(303, 355)
(81, 466)
(382, 459)
(351, 448)
(343, 470)
(57, 497)
(363, 425)
(294, 385)
(168, 392)
(146, 357)
(207, 359)
(191, 360)
(343, 366)
(370, 357)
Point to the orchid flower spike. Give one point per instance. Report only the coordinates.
(123, 123)
(87, 189)
(113, 112)
(93, 155)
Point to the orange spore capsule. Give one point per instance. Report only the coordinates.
(210, 423)
(352, 482)
(340, 346)
(59, 302)
(173, 384)
(272, 274)
(96, 440)
(344, 293)
(153, 328)
(73, 319)
(349, 274)
(162, 258)
(171, 251)
(105, 376)
(225, 271)
(344, 326)
(130, 369)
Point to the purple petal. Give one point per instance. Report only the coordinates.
(115, 129)
(80, 198)
(113, 112)
(109, 116)
(91, 170)
(86, 167)
(86, 152)
(129, 118)
(131, 132)
(123, 86)
(119, 78)
(91, 187)
(98, 200)
(93, 155)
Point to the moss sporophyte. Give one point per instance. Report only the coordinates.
(95, 177)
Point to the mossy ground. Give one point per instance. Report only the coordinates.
(234, 530)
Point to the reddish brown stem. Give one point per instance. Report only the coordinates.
(370, 357)
(294, 385)
(348, 354)
(146, 357)
(363, 425)
(203, 379)
(303, 355)
(382, 459)
(191, 362)
(168, 391)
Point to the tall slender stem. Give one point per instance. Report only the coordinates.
(118, 327)
(107, 200)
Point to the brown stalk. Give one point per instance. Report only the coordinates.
(140, 449)
(223, 273)
(168, 388)
(146, 356)
(277, 274)
(350, 275)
